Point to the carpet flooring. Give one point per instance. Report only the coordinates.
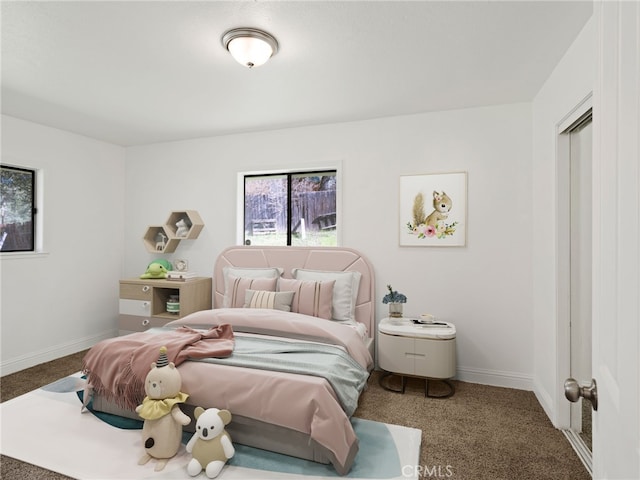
(481, 432)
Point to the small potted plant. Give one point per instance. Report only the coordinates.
(395, 301)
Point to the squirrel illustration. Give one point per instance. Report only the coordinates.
(442, 205)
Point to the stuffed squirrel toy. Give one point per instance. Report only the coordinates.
(211, 445)
(163, 419)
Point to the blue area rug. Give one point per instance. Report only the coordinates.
(375, 442)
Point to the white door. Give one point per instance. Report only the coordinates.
(616, 240)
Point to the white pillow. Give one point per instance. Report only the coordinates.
(244, 272)
(345, 290)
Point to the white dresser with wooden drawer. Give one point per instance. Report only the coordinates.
(143, 303)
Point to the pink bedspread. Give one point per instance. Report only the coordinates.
(286, 324)
(303, 403)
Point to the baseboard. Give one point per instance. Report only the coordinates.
(496, 378)
(545, 401)
(54, 352)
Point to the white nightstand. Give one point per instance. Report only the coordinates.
(417, 350)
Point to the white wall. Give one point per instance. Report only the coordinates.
(484, 288)
(65, 299)
(571, 82)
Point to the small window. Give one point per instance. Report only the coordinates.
(293, 208)
(17, 209)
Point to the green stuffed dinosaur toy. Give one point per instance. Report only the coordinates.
(157, 269)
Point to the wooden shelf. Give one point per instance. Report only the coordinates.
(158, 240)
(192, 220)
(165, 239)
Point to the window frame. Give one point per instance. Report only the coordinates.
(37, 211)
(288, 172)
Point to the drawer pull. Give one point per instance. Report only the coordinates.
(145, 305)
(145, 322)
(146, 288)
(415, 354)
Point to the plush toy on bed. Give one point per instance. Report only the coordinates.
(157, 269)
(163, 419)
(211, 445)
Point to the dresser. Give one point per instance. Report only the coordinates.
(426, 351)
(143, 303)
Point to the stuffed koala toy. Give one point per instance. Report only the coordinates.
(211, 445)
(163, 419)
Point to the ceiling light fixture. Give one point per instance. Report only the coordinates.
(249, 46)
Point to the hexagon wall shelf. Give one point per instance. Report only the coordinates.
(191, 224)
(181, 225)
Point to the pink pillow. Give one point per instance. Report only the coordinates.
(311, 298)
(237, 287)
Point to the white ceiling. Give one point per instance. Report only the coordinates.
(142, 72)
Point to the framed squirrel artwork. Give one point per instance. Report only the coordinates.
(433, 210)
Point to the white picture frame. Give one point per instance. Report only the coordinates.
(433, 210)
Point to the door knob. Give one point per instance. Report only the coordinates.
(573, 391)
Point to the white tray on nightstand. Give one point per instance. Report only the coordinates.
(405, 327)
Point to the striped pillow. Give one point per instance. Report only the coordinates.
(311, 298)
(345, 292)
(229, 273)
(265, 299)
(237, 287)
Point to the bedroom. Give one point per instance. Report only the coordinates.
(101, 196)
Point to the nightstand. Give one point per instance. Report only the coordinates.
(143, 303)
(417, 350)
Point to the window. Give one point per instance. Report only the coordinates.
(17, 209)
(293, 208)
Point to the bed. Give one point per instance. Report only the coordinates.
(286, 409)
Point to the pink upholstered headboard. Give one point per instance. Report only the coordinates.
(314, 258)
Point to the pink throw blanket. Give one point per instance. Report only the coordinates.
(117, 367)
